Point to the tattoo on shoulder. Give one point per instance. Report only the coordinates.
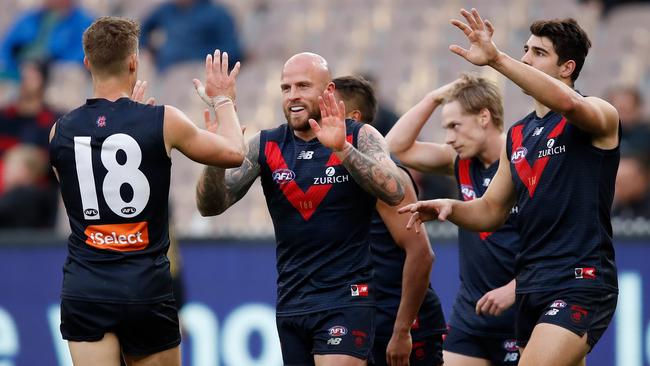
(371, 167)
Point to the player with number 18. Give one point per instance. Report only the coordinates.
(112, 158)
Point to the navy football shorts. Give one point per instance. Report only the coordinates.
(580, 310)
(425, 352)
(347, 331)
(500, 351)
(142, 329)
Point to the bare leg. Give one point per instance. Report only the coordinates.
(456, 359)
(338, 360)
(169, 357)
(105, 352)
(553, 345)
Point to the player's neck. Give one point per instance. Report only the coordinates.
(305, 135)
(111, 88)
(492, 151)
(540, 109)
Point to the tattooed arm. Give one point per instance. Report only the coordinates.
(370, 165)
(372, 168)
(219, 188)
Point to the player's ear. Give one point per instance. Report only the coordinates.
(330, 87)
(485, 117)
(355, 115)
(86, 63)
(133, 62)
(567, 68)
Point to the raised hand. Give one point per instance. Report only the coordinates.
(218, 81)
(138, 93)
(331, 131)
(441, 93)
(423, 211)
(210, 124)
(482, 50)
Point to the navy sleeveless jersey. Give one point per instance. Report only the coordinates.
(114, 173)
(321, 218)
(564, 187)
(388, 264)
(487, 259)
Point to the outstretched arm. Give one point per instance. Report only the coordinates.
(219, 188)
(487, 213)
(370, 164)
(220, 144)
(415, 275)
(590, 114)
(422, 156)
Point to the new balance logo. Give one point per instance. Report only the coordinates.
(538, 131)
(305, 155)
(586, 273)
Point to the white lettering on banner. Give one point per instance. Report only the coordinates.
(202, 328)
(9, 346)
(206, 344)
(60, 345)
(628, 320)
(237, 329)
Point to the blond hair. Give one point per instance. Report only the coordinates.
(474, 93)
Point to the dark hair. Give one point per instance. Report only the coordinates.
(569, 40)
(108, 42)
(42, 66)
(357, 93)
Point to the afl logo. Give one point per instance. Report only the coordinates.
(91, 212)
(128, 210)
(518, 155)
(510, 345)
(338, 331)
(468, 192)
(282, 176)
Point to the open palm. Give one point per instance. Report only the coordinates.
(331, 131)
(218, 81)
(479, 33)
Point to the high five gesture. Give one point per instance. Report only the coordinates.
(331, 131)
(482, 49)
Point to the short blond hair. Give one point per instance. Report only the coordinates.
(474, 93)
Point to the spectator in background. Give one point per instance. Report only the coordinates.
(189, 29)
(628, 101)
(632, 195)
(26, 202)
(28, 120)
(606, 6)
(49, 33)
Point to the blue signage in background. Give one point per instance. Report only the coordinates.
(229, 318)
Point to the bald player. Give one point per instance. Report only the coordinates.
(321, 175)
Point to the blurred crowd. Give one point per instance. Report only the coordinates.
(42, 77)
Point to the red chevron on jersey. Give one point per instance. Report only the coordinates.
(530, 176)
(334, 160)
(305, 202)
(467, 186)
